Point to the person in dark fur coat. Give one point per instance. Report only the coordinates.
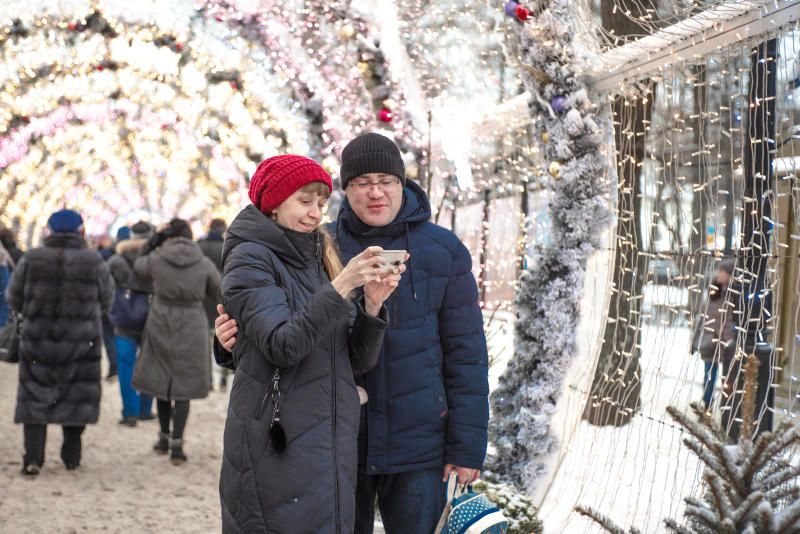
(62, 290)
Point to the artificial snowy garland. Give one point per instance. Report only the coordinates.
(548, 293)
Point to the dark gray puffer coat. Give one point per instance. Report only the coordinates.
(290, 316)
(62, 290)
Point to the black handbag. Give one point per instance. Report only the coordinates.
(9, 340)
(130, 307)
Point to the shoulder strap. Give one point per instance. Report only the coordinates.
(131, 274)
(452, 492)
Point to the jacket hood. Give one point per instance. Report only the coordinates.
(129, 246)
(416, 208)
(214, 236)
(253, 226)
(180, 252)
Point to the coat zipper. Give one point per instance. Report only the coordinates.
(333, 392)
(395, 322)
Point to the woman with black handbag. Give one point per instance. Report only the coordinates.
(290, 443)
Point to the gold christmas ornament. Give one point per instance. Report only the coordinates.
(347, 32)
(389, 103)
(363, 68)
(555, 169)
(545, 137)
(330, 164)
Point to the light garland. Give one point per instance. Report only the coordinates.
(142, 85)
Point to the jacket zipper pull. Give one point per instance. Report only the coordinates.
(319, 259)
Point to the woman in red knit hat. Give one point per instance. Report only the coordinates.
(308, 325)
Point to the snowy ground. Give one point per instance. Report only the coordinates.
(637, 474)
(121, 486)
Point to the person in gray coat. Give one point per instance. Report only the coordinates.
(290, 443)
(173, 366)
(62, 290)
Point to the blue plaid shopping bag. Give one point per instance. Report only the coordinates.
(469, 512)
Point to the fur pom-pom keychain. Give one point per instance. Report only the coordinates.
(277, 435)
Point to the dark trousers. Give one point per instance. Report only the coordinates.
(36, 437)
(408, 502)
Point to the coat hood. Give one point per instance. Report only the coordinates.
(130, 246)
(180, 252)
(251, 225)
(416, 208)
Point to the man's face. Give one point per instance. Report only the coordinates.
(375, 198)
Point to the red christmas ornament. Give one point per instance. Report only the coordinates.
(385, 115)
(178, 46)
(100, 67)
(522, 14)
(235, 86)
(72, 26)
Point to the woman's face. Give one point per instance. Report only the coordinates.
(302, 211)
(723, 277)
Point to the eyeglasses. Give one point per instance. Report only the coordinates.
(382, 184)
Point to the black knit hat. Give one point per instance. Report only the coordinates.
(141, 230)
(371, 153)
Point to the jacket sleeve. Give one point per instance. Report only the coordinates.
(213, 282)
(142, 267)
(105, 283)
(15, 291)
(366, 338)
(466, 367)
(252, 296)
(120, 270)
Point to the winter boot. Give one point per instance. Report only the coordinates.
(176, 452)
(31, 469)
(162, 445)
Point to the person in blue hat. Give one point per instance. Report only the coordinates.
(62, 290)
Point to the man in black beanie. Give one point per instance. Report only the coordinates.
(427, 410)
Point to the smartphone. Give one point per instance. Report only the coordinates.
(394, 258)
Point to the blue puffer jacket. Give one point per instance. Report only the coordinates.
(428, 394)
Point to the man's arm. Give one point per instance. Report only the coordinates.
(465, 369)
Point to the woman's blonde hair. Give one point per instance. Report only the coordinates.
(330, 255)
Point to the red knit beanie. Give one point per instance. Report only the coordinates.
(278, 177)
